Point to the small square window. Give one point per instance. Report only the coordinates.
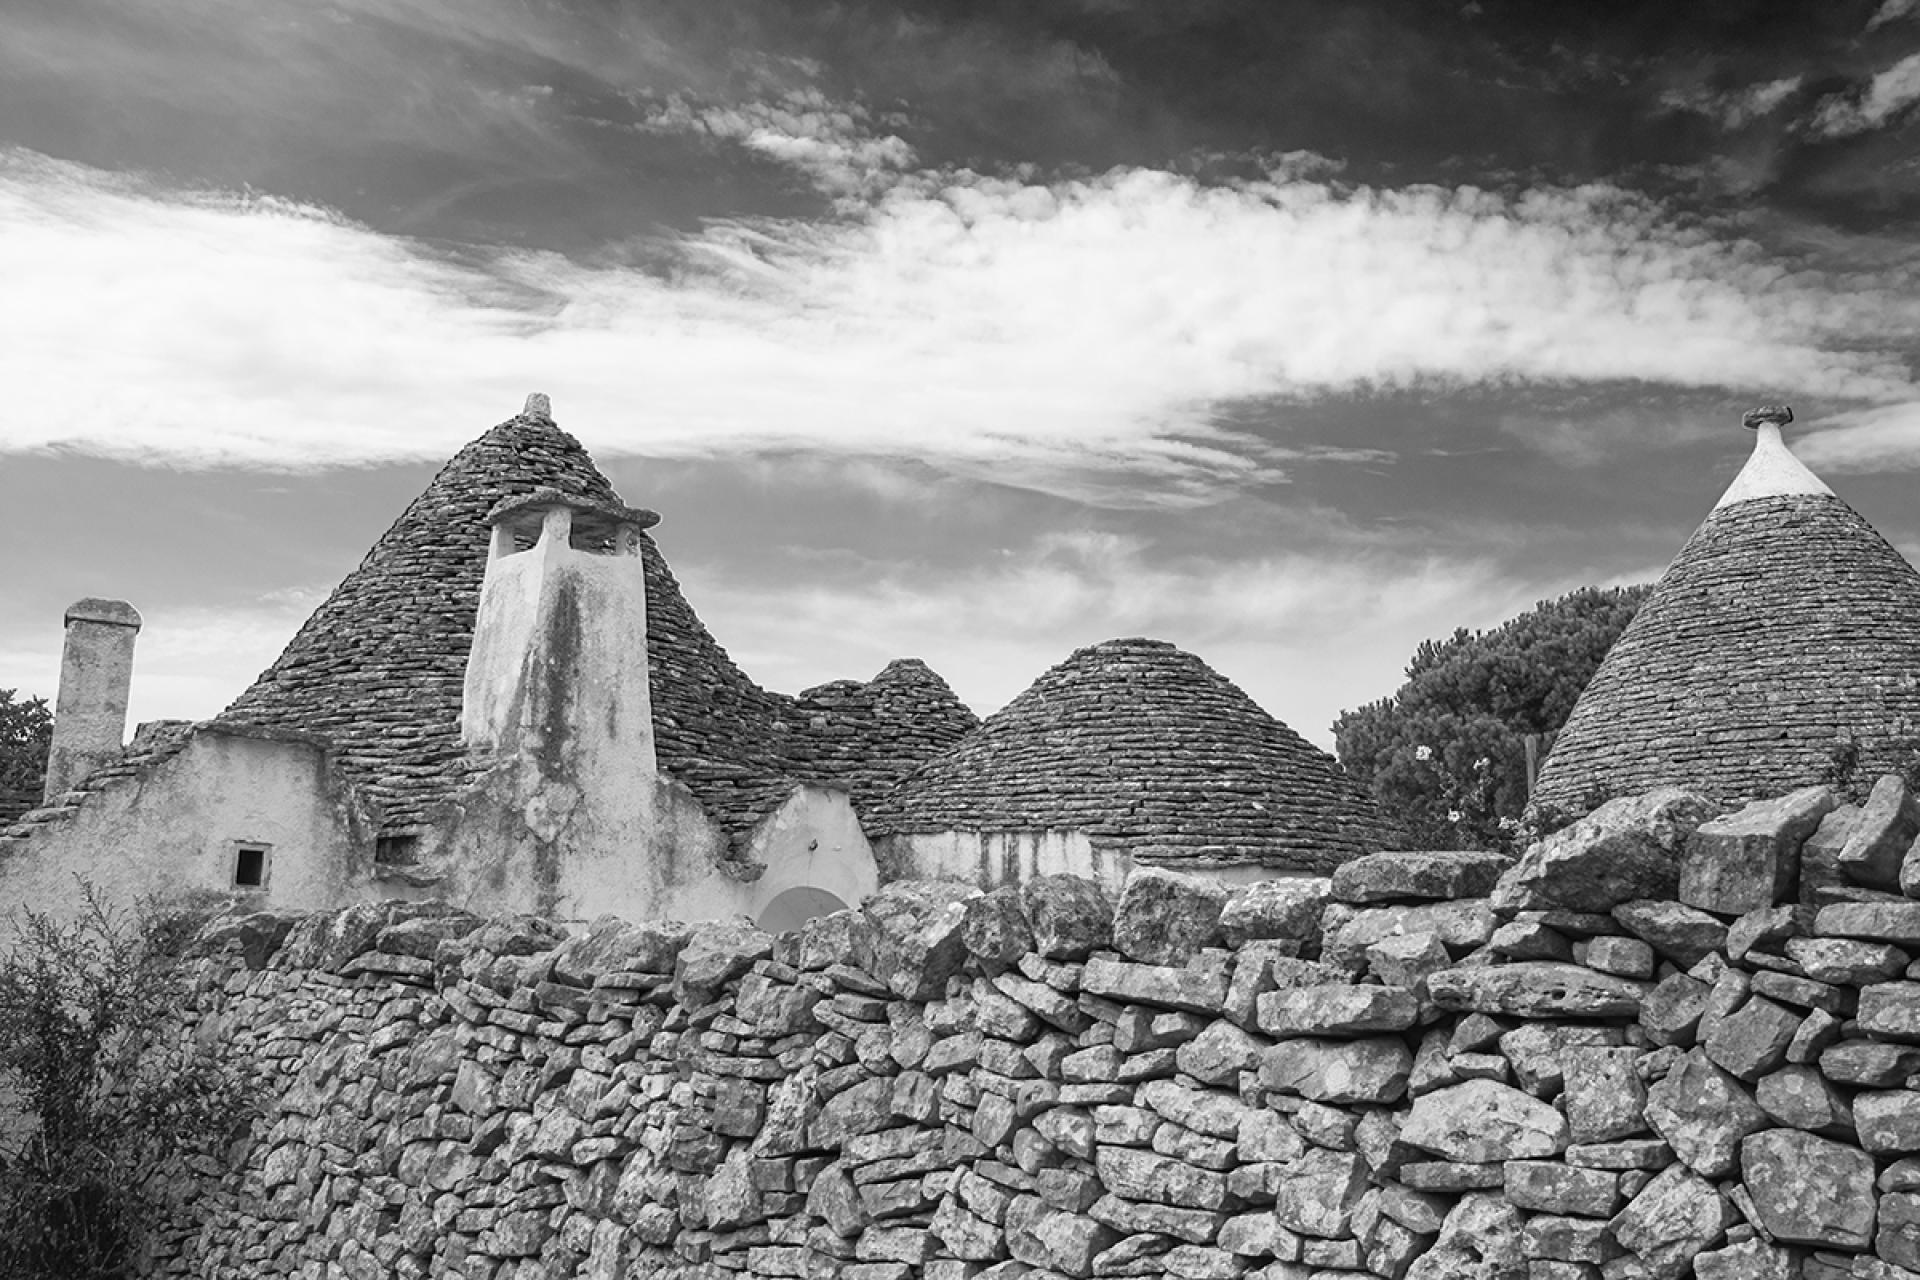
(401, 850)
(250, 866)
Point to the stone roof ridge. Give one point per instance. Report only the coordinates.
(1771, 470)
(1150, 751)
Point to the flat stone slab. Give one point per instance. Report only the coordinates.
(1537, 989)
(1809, 1190)
(1627, 849)
(1483, 1122)
(1337, 1009)
(1895, 922)
(1398, 875)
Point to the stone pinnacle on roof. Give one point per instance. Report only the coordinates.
(1786, 630)
(1150, 752)
(538, 406)
(1772, 469)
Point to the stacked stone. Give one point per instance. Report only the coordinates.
(869, 736)
(1635, 1052)
(1152, 753)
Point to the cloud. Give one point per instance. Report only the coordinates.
(1892, 11)
(1887, 436)
(1087, 336)
(1267, 623)
(831, 143)
(1886, 96)
(1735, 108)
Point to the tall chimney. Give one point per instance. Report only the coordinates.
(96, 673)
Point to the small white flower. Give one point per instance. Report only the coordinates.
(1423, 753)
(1483, 764)
(1454, 815)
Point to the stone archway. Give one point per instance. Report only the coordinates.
(793, 908)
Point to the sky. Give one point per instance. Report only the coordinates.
(1293, 333)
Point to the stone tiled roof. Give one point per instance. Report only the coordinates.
(379, 668)
(1148, 750)
(1786, 624)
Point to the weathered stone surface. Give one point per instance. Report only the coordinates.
(1604, 1096)
(1800, 1098)
(1555, 1241)
(1070, 917)
(1339, 1071)
(1752, 1259)
(1063, 1242)
(1481, 1122)
(1673, 1009)
(1751, 859)
(1891, 1011)
(1164, 917)
(1318, 1193)
(1197, 988)
(1869, 1064)
(1537, 989)
(1847, 960)
(1623, 957)
(1882, 921)
(1538, 1052)
(714, 954)
(1675, 1217)
(1400, 875)
(917, 943)
(1809, 1190)
(1888, 1123)
(1546, 1186)
(1220, 1053)
(1460, 926)
(1145, 1175)
(1898, 1239)
(1703, 1113)
(1627, 849)
(1342, 1009)
(1480, 1240)
(1753, 1039)
(1407, 960)
(1530, 940)
(994, 929)
(1888, 823)
(1275, 909)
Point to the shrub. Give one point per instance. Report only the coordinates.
(105, 1087)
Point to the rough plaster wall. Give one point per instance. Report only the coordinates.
(950, 1084)
(999, 857)
(173, 828)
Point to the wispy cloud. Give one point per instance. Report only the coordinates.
(1887, 436)
(1072, 335)
(991, 631)
(1735, 108)
(1884, 98)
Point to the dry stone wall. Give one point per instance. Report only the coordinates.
(1635, 1052)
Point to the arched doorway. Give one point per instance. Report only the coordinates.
(793, 908)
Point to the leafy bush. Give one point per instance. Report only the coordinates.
(26, 732)
(102, 1085)
(1445, 756)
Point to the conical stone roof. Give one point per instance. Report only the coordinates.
(1785, 629)
(1151, 752)
(379, 669)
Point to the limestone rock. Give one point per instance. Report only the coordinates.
(1340, 1009)
(1461, 926)
(716, 953)
(1888, 1123)
(1604, 1096)
(1318, 1192)
(1062, 1242)
(1070, 917)
(1672, 1011)
(1898, 1239)
(1751, 859)
(1809, 1190)
(1751, 1259)
(1537, 989)
(1482, 1122)
(1685, 935)
(1753, 1039)
(1163, 917)
(918, 944)
(1800, 1098)
(1133, 1174)
(1847, 960)
(994, 929)
(1627, 849)
(1275, 909)
(1675, 1217)
(1404, 874)
(1869, 1064)
(1884, 832)
(1703, 1113)
(1197, 988)
(1339, 1071)
(1480, 1240)
(612, 944)
(1880, 921)
(1548, 1186)
(1891, 1011)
